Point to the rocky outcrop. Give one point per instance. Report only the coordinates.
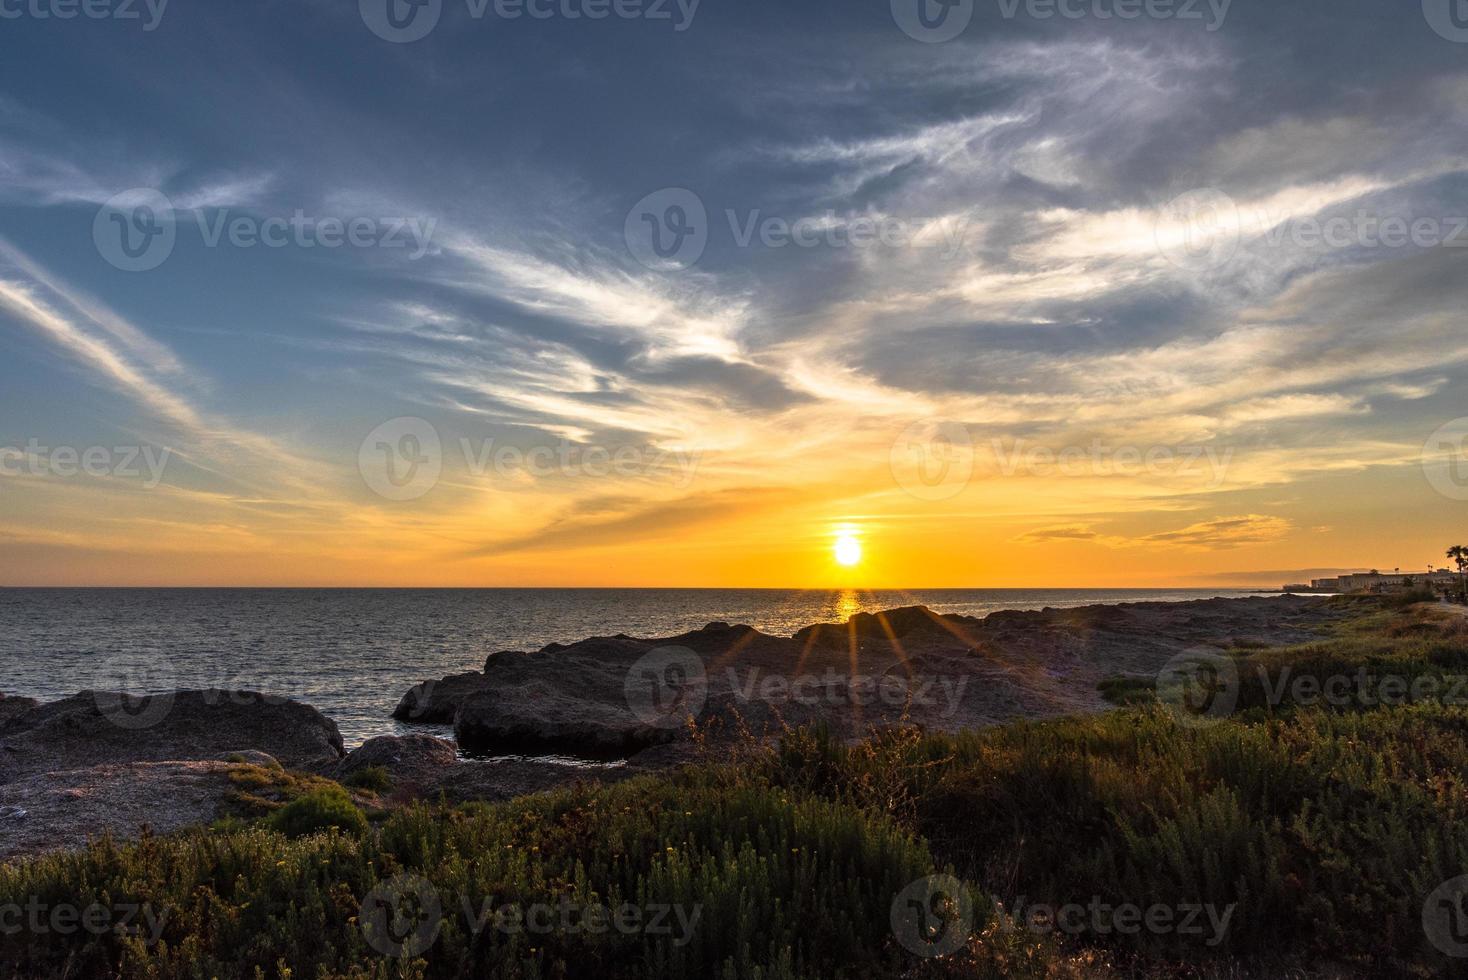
(619, 695)
(436, 702)
(100, 763)
(412, 762)
(101, 729)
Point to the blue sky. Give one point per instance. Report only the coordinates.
(1091, 233)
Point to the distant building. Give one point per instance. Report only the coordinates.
(1378, 582)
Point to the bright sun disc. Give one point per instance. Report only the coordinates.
(848, 550)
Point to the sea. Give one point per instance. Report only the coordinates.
(353, 653)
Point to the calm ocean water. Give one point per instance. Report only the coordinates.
(354, 652)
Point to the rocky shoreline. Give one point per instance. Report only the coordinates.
(100, 763)
(618, 696)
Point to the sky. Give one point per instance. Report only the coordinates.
(644, 293)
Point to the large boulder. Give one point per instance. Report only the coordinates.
(96, 728)
(412, 762)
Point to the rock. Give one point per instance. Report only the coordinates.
(12, 707)
(414, 762)
(254, 758)
(436, 702)
(64, 809)
(500, 655)
(616, 696)
(99, 728)
(536, 719)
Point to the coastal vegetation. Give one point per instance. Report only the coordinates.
(1304, 825)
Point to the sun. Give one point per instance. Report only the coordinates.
(848, 550)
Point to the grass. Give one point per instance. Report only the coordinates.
(1314, 831)
(782, 887)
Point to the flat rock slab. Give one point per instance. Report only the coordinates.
(65, 809)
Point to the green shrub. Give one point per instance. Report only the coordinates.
(318, 810)
(777, 885)
(1324, 831)
(1409, 597)
(374, 779)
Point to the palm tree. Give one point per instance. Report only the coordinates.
(1459, 554)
